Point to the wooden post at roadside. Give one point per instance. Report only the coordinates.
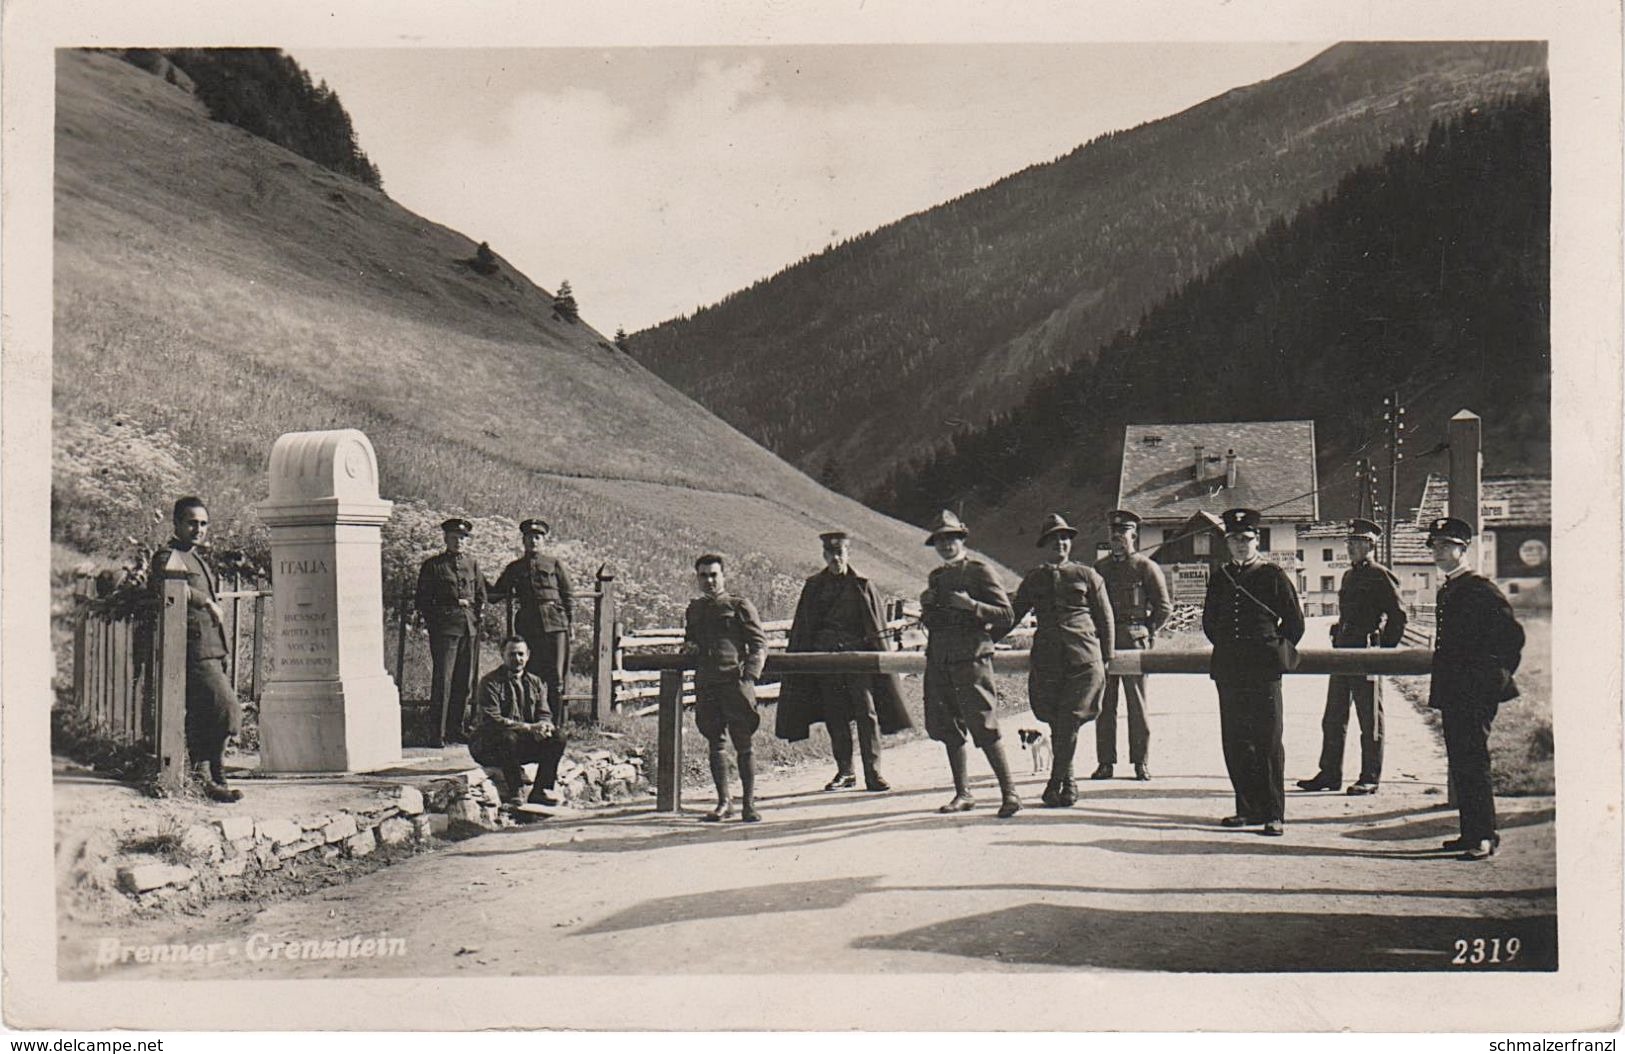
(669, 769)
(405, 619)
(603, 647)
(169, 711)
(84, 589)
(1466, 436)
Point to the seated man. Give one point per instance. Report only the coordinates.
(514, 726)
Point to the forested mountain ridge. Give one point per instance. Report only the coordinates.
(1428, 273)
(881, 348)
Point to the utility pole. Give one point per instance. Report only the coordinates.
(1394, 415)
(1366, 505)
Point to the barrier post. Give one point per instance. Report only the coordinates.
(169, 710)
(669, 771)
(603, 646)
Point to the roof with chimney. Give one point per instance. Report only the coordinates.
(1504, 501)
(1263, 465)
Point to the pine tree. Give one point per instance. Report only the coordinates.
(621, 338)
(565, 303)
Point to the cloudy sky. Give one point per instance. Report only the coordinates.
(660, 179)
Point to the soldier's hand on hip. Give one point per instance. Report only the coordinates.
(960, 600)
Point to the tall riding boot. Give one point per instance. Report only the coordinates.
(719, 776)
(1011, 803)
(217, 776)
(1065, 747)
(747, 787)
(962, 801)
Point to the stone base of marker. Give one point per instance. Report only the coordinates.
(320, 726)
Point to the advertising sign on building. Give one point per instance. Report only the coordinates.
(1187, 583)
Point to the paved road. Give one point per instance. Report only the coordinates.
(1135, 877)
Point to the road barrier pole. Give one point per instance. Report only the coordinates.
(669, 771)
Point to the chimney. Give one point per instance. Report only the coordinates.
(1201, 463)
(1230, 460)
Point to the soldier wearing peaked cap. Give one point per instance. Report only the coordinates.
(450, 600)
(1252, 617)
(544, 612)
(1139, 596)
(724, 634)
(840, 610)
(1073, 642)
(965, 610)
(1478, 647)
(1369, 615)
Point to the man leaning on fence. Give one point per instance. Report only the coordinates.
(513, 725)
(213, 714)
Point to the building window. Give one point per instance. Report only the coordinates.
(1493, 510)
(1326, 584)
(1326, 555)
(1264, 539)
(1203, 544)
(1512, 588)
(1299, 555)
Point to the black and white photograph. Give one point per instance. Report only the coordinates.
(1113, 510)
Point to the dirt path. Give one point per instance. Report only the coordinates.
(1135, 877)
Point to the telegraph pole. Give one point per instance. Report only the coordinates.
(1394, 415)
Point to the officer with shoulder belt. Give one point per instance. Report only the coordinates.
(450, 600)
(545, 611)
(1368, 615)
(1139, 597)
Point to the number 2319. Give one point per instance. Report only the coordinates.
(1481, 950)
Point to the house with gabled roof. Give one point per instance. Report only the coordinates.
(1516, 544)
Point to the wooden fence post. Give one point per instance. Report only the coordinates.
(169, 710)
(669, 777)
(603, 646)
(404, 616)
(85, 588)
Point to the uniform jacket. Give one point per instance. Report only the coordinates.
(205, 636)
(837, 613)
(443, 580)
(1478, 646)
(543, 598)
(1139, 596)
(726, 638)
(1368, 608)
(502, 702)
(1244, 635)
(1074, 612)
(954, 635)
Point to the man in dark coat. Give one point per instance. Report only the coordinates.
(1368, 615)
(450, 600)
(1478, 647)
(724, 634)
(213, 714)
(840, 610)
(1139, 596)
(965, 610)
(1066, 675)
(513, 726)
(1251, 614)
(545, 605)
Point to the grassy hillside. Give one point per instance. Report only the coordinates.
(213, 291)
(953, 312)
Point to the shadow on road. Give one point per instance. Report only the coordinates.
(1243, 842)
(820, 895)
(1446, 825)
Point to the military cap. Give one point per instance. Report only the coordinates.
(1450, 529)
(1239, 522)
(1363, 528)
(946, 523)
(534, 527)
(833, 536)
(458, 524)
(1122, 518)
(1055, 523)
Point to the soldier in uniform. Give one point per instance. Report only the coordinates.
(513, 725)
(1067, 673)
(213, 714)
(1252, 616)
(964, 610)
(450, 600)
(1139, 597)
(546, 605)
(1476, 652)
(840, 610)
(1368, 615)
(723, 633)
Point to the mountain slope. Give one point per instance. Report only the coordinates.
(213, 290)
(951, 313)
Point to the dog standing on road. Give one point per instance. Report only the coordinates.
(1036, 744)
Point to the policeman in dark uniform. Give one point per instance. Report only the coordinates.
(965, 610)
(513, 726)
(1477, 649)
(450, 600)
(1139, 597)
(1252, 616)
(840, 610)
(546, 603)
(1368, 615)
(724, 634)
(213, 714)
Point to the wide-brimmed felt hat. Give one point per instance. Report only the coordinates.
(1055, 523)
(945, 523)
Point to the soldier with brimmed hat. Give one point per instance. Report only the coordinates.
(544, 603)
(1252, 617)
(1066, 674)
(1476, 650)
(965, 610)
(1369, 615)
(1140, 604)
(450, 600)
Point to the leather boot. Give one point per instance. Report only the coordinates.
(1011, 801)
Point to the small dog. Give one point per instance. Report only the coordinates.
(1037, 744)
